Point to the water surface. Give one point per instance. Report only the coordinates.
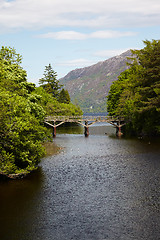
(97, 188)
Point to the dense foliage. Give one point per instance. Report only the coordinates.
(53, 107)
(22, 110)
(136, 94)
(64, 96)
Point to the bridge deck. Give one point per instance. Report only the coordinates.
(83, 119)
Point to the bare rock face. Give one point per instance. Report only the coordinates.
(89, 86)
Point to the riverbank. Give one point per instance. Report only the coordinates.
(4, 176)
(50, 148)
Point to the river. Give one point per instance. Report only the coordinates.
(96, 188)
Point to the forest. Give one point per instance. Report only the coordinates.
(23, 107)
(135, 96)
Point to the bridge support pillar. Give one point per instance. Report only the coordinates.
(54, 130)
(118, 130)
(86, 129)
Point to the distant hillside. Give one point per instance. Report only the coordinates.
(89, 86)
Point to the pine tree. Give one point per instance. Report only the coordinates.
(49, 82)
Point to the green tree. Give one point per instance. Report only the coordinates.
(64, 96)
(53, 107)
(9, 56)
(21, 132)
(114, 96)
(10, 62)
(136, 93)
(49, 82)
(20, 135)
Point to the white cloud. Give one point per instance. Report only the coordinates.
(72, 35)
(64, 35)
(81, 62)
(111, 34)
(110, 53)
(85, 13)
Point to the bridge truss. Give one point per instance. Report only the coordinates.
(85, 121)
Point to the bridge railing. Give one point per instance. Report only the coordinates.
(82, 118)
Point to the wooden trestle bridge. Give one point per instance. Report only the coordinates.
(85, 121)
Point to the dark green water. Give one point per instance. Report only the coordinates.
(97, 188)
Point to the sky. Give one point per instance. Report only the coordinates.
(70, 34)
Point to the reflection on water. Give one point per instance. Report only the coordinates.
(19, 200)
(96, 129)
(97, 188)
(70, 128)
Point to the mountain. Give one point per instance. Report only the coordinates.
(89, 86)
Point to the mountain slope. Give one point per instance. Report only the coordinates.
(89, 86)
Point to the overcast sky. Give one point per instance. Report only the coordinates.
(71, 34)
